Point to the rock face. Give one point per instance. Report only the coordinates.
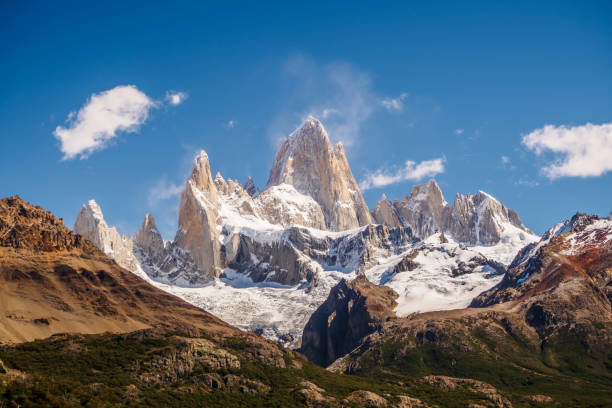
(307, 161)
(198, 219)
(352, 311)
(297, 255)
(425, 210)
(472, 219)
(149, 238)
(285, 206)
(249, 187)
(90, 223)
(385, 213)
(481, 219)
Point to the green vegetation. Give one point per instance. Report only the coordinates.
(109, 370)
(566, 369)
(106, 370)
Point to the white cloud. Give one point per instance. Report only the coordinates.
(580, 151)
(163, 190)
(411, 171)
(396, 104)
(175, 98)
(121, 109)
(231, 124)
(505, 159)
(459, 131)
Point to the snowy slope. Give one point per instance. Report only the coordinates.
(266, 260)
(445, 275)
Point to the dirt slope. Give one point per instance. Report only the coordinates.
(54, 281)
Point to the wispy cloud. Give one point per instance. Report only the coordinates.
(394, 104)
(231, 124)
(163, 190)
(411, 171)
(121, 109)
(327, 112)
(578, 151)
(505, 160)
(175, 98)
(338, 94)
(459, 131)
(527, 182)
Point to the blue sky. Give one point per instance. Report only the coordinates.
(470, 84)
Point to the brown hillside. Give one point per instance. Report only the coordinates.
(55, 281)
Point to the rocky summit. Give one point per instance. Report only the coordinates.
(307, 161)
(472, 219)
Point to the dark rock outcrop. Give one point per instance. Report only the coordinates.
(352, 311)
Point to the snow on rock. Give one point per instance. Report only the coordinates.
(572, 253)
(284, 205)
(265, 261)
(307, 161)
(441, 275)
(472, 219)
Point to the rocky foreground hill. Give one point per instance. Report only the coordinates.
(545, 328)
(265, 260)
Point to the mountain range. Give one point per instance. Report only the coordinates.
(274, 255)
(298, 294)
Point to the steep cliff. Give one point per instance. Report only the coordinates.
(198, 219)
(307, 161)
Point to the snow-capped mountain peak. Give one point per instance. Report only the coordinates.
(307, 161)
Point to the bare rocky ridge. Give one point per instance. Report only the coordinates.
(472, 219)
(307, 161)
(573, 257)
